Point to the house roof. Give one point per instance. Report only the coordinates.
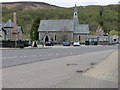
(8, 24)
(19, 28)
(56, 25)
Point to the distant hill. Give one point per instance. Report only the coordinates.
(28, 5)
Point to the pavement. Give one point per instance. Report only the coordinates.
(66, 72)
(102, 75)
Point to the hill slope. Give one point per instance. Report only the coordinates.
(28, 5)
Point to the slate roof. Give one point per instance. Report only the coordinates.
(9, 24)
(56, 25)
(82, 29)
(19, 28)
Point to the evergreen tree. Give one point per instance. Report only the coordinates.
(101, 17)
(34, 30)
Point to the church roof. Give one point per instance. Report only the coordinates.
(56, 25)
(82, 29)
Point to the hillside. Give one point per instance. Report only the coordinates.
(28, 12)
(28, 5)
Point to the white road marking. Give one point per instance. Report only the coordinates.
(34, 55)
(4, 57)
(9, 57)
(14, 56)
(21, 56)
(50, 55)
(56, 54)
(65, 53)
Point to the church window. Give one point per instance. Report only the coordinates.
(75, 14)
(51, 39)
(79, 38)
(55, 37)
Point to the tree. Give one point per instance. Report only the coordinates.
(34, 30)
(113, 32)
(101, 16)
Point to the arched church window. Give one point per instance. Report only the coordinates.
(79, 38)
(66, 37)
(55, 38)
(51, 39)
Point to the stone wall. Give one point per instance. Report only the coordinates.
(81, 38)
(8, 33)
(56, 36)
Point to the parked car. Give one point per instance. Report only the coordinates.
(49, 43)
(66, 43)
(118, 42)
(76, 43)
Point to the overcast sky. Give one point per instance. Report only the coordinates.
(71, 3)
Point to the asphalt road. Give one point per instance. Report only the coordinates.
(24, 56)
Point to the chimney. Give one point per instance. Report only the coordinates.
(14, 21)
(14, 33)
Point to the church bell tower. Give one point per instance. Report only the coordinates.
(75, 17)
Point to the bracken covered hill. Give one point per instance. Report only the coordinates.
(28, 5)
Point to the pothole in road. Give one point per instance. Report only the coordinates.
(93, 63)
(80, 71)
(71, 64)
(84, 70)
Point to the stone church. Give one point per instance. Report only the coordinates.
(63, 30)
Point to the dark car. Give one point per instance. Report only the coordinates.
(49, 43)
(66, 43)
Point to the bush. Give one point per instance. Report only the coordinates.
(20, 45)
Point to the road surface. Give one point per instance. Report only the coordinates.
(24, 56)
